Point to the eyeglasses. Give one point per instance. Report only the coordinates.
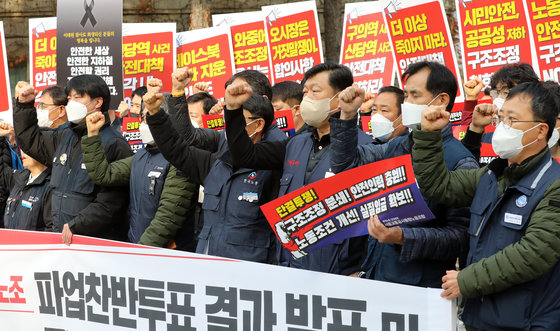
(43, 105)
(508, 121)
(501, 93)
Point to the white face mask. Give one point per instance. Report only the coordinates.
(145, 134)
(246, 125)
(194, 124)
(381, 127)
(499, 102)
(507, 141)
(77, 111)
(554, 138)
(314, 112)
(43, 117)
(412, 114)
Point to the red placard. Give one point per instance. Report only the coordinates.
(250, 49)
(147, 56)
(5, 93)
(214, 122)
(365, 48)
(418, 31)
(294, 40)
(544, 17)
(209, 57)
(493, 33)
(43, 58)
(366, 125)
(131, 132)
(285, 121)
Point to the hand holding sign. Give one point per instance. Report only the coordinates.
(237, 94)
(153, 101)
(181, 77)
(154, 85)
(473, 88)
(383, 234)
(94, 122)
(482, 116)
(350, 100)
(25, 92)
(434, 118)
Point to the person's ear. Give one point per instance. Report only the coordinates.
(444, 99)
(543, 131)
(98, 103)
(61, 111)
(260, 125)
(296, 111)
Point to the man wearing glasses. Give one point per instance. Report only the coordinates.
(511, 278)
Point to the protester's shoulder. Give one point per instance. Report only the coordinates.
(364, 138)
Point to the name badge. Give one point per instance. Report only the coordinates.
(84, 166)
(329, 174)
(513, 219)
(26, 204)
(154, 174)
(249, 196)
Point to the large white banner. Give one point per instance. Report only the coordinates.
(102, 285)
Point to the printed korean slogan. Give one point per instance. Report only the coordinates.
(339, 207)
(105, 285)
(42, 53)
(214, 122)
(131, 132)
(544, 17)
(365, 47)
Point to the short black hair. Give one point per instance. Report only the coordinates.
(139, 91)
(58, 94)
(340, 77)
(287, 90)
(208, 100)
(544, 102)
(440, 80)
(513, 74)
(92, 85)
(258, 81)
(260, 107)
(397, 91)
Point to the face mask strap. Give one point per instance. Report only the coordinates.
(434, 99)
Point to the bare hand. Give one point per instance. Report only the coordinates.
(95, 122)
(473, 88)
(66, 235)
(123, 109)
(367, 103)
(350, 100)
(217, 109)
(6, 129)
(482, 116)
(153, 101)
(25, 92)
(154, 85)
(237, 94)
(450, 285)
(181, 77)
(434, 118)
(201, 87)
(384, 234)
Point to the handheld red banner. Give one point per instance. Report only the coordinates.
(214, 122)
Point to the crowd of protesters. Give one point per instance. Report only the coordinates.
(495, 239)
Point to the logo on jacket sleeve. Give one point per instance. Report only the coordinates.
(253, 175)
(521, 201)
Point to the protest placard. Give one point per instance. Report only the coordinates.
(285, 121)
(148, 52)
(248, 35)
(89, 41)
(365, 47)
(214, 122)
(5, 92)
(42, 53)
(366, 125)
(209, 54)
(493, 33)
(544, 19)
(131, 132)
(339, 207)
(294, 39)
(105, 285)
(418, 31)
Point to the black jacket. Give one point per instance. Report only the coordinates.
(87, 208)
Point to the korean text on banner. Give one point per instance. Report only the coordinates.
(285, 121)
(209, 54)
(131, 132)
(148, 52)
(418, 31)
(5, 92)
(339, 207)
(89, 41)
(493, 33)
(99, 285)
(365, 48)
(214, 122)
(248, 35)
(544, 17)
(42, 52)
(294, 39)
